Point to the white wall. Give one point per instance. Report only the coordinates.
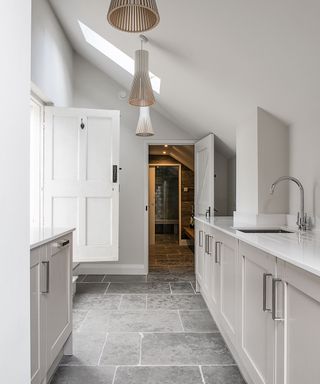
(93, 89)
(232, 188)
(52, 56)
(15, 26)
(220, 184)
(305, 165)
(247, 166)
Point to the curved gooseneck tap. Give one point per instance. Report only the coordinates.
(301, 217)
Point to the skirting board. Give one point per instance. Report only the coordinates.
(110, 269)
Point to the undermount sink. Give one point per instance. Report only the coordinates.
(264, 231)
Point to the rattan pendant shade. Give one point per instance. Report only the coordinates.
(141, 94)
(144, 128)
(133, 15)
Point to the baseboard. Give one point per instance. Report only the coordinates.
(110, 269)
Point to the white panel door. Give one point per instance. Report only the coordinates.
(81, 150)
(204, 175)
(257, 327)
(298, 337)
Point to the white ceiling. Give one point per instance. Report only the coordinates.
(218, 59)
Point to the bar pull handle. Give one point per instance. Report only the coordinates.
(264, 304)
(45, 274)
(206, 243)
(209, 245)
(201, 239)
(275, 283)
(115, 174)
(217, 257)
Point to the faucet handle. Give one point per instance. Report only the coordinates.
(298, 222)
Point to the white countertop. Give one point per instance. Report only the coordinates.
(43, 236)
(301, 249)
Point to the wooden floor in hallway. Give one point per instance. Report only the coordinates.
(167, 254)
(150, 329)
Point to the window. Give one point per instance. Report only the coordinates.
(114, 54)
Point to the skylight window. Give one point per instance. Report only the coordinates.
(115, 54)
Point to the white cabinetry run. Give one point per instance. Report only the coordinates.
(267, 309)
(51, 305)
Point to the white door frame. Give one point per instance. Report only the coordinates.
(147, 143)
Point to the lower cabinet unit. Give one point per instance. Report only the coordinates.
(199, 250)
(226, 257)
(257, 341)
(51, 305)
(298, 340)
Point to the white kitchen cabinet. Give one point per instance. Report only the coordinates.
(298, 336)
(227, 294)
(257, 339)
(208, 255)
(37, 315)
(59, 296)
(199, 252)
(51, 304)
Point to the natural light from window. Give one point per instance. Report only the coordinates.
(114, 53)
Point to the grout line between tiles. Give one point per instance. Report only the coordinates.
(201, 373)
(114, 375)
(103, 347)
(120, 302)
(180, 320)
(80, 326)
(105, 292)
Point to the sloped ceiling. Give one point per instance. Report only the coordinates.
(218, 60)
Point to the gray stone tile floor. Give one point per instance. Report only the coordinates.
(145, 329)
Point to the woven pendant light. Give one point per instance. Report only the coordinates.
(141, 94)
(133, 15)
(144, 128)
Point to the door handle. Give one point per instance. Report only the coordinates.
(217, 256)
(264, 301)
(45, 274)
(205, 243)
(114, 173)
(209, 245)
(275, 283)
(201, 239)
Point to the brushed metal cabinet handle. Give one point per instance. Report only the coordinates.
(45, 275)
(275, 283)
(209, 245)
(201, 239)
(206, 243)
(264, 300)
(217, 258)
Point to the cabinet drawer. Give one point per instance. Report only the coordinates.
(59, 244)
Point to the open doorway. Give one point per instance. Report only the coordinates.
(171, 207)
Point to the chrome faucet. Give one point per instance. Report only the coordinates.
(302, 219)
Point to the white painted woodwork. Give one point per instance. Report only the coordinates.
(199, 251)
(51, 305)
(37, 317)
(78, 182)
(59, 298)
(257, 338)
(204, 175)
(228, 295)
(208, 257)
(152, 205)
(298, 341)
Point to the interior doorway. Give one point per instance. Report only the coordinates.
(171, 207)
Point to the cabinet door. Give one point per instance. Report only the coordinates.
(298, 342)
(199, 251)
(37, 317)
(59, 296)
(258, 328)
(227, 258)
(208, 261)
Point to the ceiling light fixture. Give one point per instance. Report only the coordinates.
(133, 15)
(141, 94)
(144, 128)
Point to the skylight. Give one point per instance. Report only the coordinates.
(115, 54)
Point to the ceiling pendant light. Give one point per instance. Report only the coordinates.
(133, 15)
(141, 94)
(144, 128)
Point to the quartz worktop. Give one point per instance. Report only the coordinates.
(46, 235)
(301, 249)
